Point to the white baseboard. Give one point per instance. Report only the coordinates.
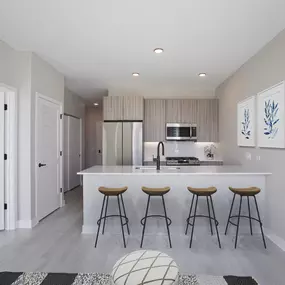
(280, 242)
(88, 229)
(27, 224)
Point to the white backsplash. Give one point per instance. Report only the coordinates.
(179, 148)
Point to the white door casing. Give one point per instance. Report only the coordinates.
(74, 152)
(48, 162)
(65, 153)
(2, 165)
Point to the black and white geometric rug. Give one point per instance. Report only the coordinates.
(40, 278)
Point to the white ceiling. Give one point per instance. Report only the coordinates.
(97, 44)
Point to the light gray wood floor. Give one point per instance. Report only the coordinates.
(56, 245)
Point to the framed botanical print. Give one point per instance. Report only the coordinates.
(271, 131)
(246, 122)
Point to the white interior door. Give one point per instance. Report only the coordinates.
(74, 151)
(2, 169)
(48, 157)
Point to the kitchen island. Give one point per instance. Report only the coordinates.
(178, 200)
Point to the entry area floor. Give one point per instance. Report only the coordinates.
(57, 245)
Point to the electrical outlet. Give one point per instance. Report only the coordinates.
(248, 155)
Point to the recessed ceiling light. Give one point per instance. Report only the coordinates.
(96, 104)
(158, 50)
(202, 74)
(136, 74)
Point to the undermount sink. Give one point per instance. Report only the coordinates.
(154, 168)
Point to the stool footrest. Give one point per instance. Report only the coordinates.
(201, 216)
(243, 216)
(157, 216)
(109, 216)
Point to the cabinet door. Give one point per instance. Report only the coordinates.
(207, 120)
(214, 134)
(154, 120)
(173, 111)
(133, 108)
(113, 108)
(189, 111)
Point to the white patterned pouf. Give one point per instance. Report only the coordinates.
(145, 267)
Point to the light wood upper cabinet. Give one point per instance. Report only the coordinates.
(123, 108)
(173, 111)
(113, 108)
(154, 120)
(189, 111)
(133, 108)
(203, 112)
(207, 120)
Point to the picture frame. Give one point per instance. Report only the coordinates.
(271, 119)
(246, 122)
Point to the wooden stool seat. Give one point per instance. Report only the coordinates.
(250, 191)
(203, 191)
(112, 191)
(155, 191)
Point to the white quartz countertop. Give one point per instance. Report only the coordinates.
(167, 170)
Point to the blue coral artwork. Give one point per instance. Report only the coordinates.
(271, 118)
(271, 128)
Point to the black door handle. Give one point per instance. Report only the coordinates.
(42, 164)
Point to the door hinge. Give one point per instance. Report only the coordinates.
(5, 107)
(60, 153)
(5, 156)
(60, 116)
(60, 190)
(5, 206)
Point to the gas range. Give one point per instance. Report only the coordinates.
(187, 161)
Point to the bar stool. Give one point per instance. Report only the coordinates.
(107, 192)
(202, 192)
(156, 192)
(245, 192)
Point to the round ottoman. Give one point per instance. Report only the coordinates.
(145, 267)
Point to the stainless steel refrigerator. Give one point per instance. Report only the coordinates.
(122, 143)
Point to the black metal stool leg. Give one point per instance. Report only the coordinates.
(147, 206)
(167, 226)
(103, 231)
(210, 220)
(215, 221)
(124, 209)
(260, 223)
(249, 214)
(121, 218)
(238, 221)
(98, 230)
(230, 213)
(194, 218)
(189, 214)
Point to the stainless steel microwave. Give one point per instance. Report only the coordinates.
(181, 132)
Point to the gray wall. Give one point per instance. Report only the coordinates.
(75, 106)
(265, 69)
(93, 136)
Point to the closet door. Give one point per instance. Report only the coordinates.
(2, 175)
(74, 158)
